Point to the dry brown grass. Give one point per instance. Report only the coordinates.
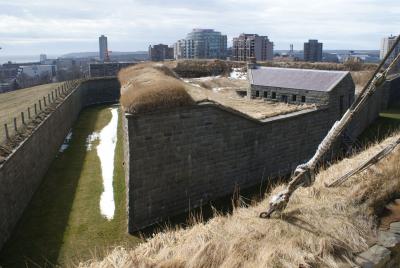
(14, 102)
(321, 227)
(361, 78)
(149, 87)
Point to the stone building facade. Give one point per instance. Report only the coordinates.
(299, 86)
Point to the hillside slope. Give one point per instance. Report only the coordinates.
(320, 227)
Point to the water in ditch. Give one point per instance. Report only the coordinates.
(79, 210)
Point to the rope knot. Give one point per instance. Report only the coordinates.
(309, 175)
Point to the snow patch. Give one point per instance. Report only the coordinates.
(238, 73)
(106, 153)
(66, 142)
(90, 139)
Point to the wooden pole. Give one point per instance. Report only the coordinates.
(23, 118)
(44, 101)
(29, 112)
(40, 104)
(6, 130)
(15, 124)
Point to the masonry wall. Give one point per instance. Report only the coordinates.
(23, 170)
(181, 158)
(386, 95)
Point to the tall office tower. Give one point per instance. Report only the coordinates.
(103, 48)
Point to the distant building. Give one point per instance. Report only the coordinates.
(107, 68)
(252, 45)
(313, 51)
(103, 48)
(333, 88)
(386, 44)
(31, 75)
(37, 70)
(43, 58)
(180, 49)
(160, 52)
(205, 44)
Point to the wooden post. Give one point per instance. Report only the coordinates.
(15, 124)
(23, 118)
(44, 101)
(6, 130)
(35, 109)
(29, 112)
(40, 104)
(52, 96)
(48, 97)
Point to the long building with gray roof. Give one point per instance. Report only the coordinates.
(299, 86)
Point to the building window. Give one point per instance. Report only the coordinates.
(265, 94)
(294, 97)
(257, 93)
(284, 98)
(341, 104)
(303, 98)
(273, 95)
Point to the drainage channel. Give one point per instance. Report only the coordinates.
(79, 210)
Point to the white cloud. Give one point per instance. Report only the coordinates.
(59, 27)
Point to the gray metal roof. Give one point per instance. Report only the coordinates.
(296, 78)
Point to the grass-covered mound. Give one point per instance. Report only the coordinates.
(150, 87)
(321, 227)
(201, 68)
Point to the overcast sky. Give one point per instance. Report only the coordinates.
(56, 27)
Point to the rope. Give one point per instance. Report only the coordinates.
(304, 175)
(373, 160)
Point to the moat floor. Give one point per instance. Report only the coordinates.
(64, 224)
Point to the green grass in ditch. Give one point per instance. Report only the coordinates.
(387, 123)
(62, 224)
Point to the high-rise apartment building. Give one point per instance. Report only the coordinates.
(386, 44)
(103, 48)
(313, 51)
(160, 52)
(205, 44)
(248, 46)
(180, 49)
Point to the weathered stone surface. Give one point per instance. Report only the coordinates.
(375, 257)
(388, 239)
(395, 228)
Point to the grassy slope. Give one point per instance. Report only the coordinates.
(15, 102)
(63, 223)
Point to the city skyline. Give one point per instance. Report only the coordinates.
(54, 28)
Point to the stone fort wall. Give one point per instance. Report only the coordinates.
(23, 170)
(181, 158)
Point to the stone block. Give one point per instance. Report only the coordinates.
(388, 239)
(375, 257)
